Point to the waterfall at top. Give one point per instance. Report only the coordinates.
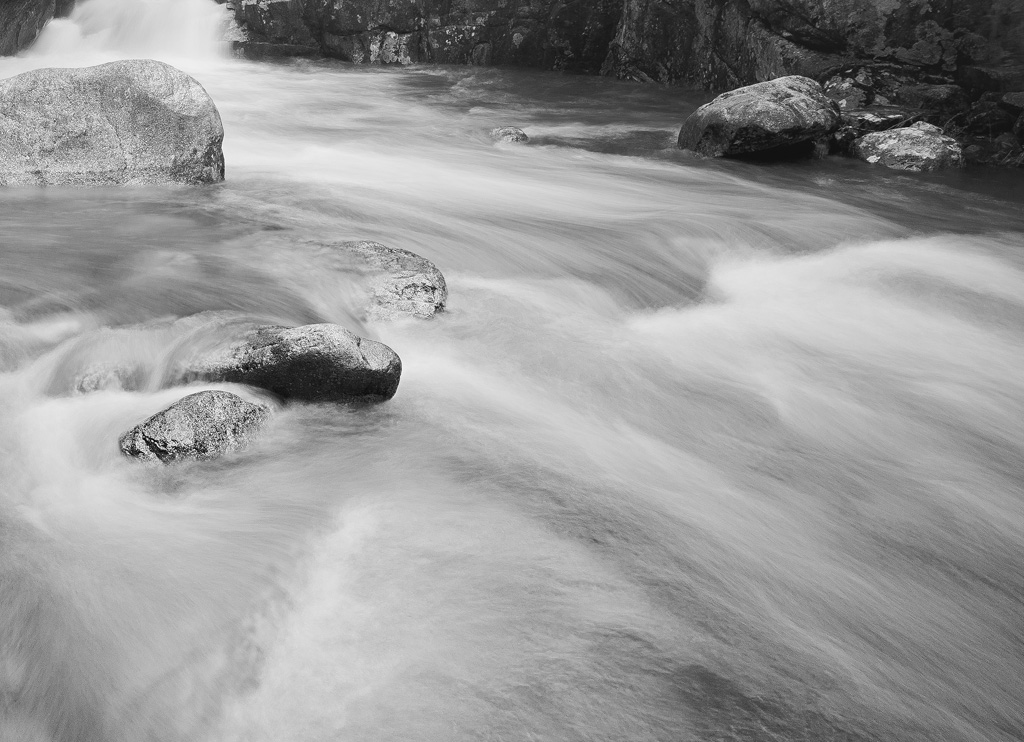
(123, 28)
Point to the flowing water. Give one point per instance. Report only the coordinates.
(699, 451)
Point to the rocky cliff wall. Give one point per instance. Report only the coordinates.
(724, 43)
(570, 35)
(713, 43)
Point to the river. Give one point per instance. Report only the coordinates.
(701, 450)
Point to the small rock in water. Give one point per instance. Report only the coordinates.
(313, 363)
(509, 134)
(108, 377)
(776, 115)
(136, 121)
(400, 282)
(918, 148)
(198, 427)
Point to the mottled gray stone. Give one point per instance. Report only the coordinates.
(199, 427)
(109, 377)
(509, 134)
(315, 363)
(399, 282)
(766, 116)
(921, 147)
(131, 122)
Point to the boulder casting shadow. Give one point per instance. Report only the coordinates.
(311, 363)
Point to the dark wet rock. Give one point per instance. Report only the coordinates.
(942, 101)
(767, 116)
(858, 122)
(921, 147)
(1002, 78)
(848, 92)
(262, 50)
(198, 427)
(1013, 102)
(314, 363)
(718, 44)
(543, 33)
(399, 282)
(1018, 128)
(22, 20)
(509, 134)
(986, 118)
(1003, 151)
(130, 122)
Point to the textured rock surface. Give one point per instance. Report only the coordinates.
(22, 20)
(509, 134)
(400, 282)
(109, 377)
(135, 121)
(199, 427)
(765, 116)
(726, 43)
(860, 121)
(714, 43)
(921, 147)
(315, 363)
(546, 33)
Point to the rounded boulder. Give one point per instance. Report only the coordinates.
(918, 148)
(198, 427)
(312, 363)
(764, 117)
(136, 121)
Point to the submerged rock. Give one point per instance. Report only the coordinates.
(136, 121)
(198, 427)
(758, 118)
(109, 377)
(400, 282)
(918, 148)
(314, 363)
(509, 134)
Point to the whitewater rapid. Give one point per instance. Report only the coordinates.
(700, 450)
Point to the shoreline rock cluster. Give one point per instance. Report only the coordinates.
(793, 116)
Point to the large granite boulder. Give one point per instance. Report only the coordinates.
(314, 363)
(399, 282)
(135, 121)
(199, 427)
(918, 148)
(757, 118)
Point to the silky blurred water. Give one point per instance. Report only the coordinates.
(700, 450)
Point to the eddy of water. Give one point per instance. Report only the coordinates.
(701, 450)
